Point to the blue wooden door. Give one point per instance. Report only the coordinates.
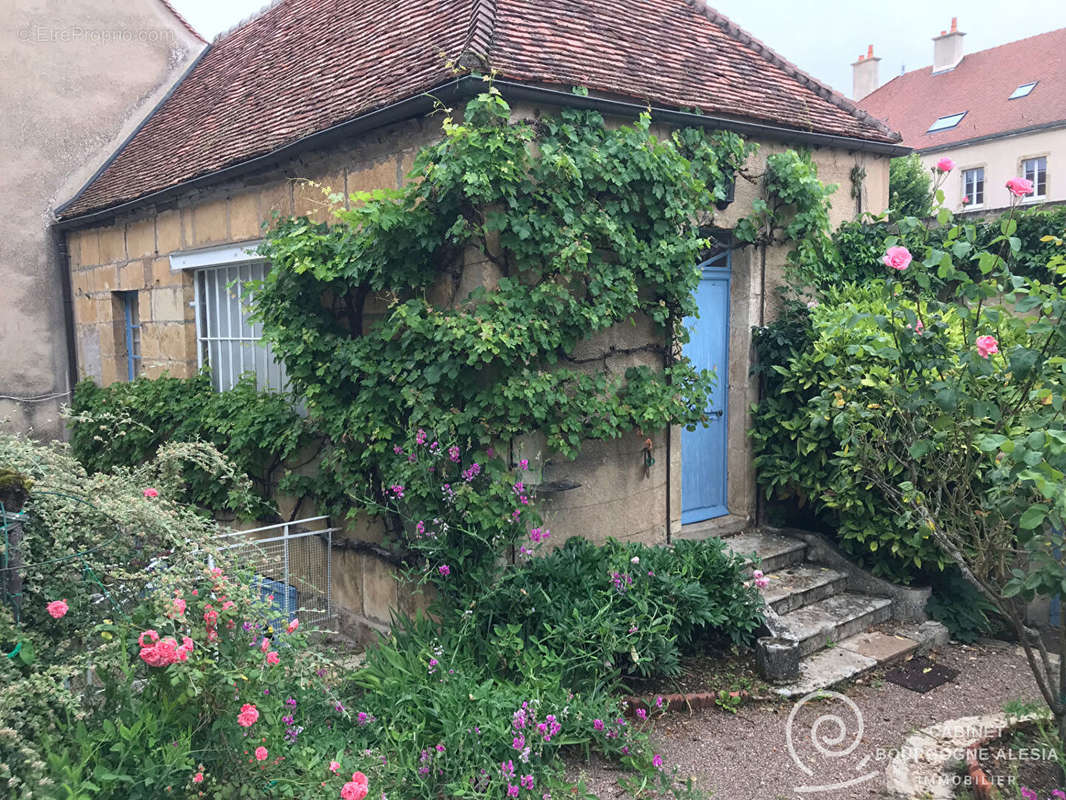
(703, 451)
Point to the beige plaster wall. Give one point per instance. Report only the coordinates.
(1002, 160)
(614, 496)
(78, 75)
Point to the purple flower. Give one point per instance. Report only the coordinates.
(397, 449)
(440, 748)
(433, 665)
(659, 701)
(519, 742)
(444, 570)
(657, 761)
(523, 464)
(420, 437)
(397, 490)
(597, 724)
(512, 790)
(420, 528)
(507, 768)
(471, 472)
(527, 782)
(453, 453)
(642, 714)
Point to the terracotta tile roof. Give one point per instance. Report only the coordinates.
(980, 86)
(305, 65)
(185, 23)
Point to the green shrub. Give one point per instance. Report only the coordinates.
(963, 610)
(826, 370)
(260, 433)
(909, 187)
(608, 611)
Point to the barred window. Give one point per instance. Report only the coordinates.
(227, 341)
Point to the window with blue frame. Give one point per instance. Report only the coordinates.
(131, 332)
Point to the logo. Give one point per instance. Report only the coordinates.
(834, 735)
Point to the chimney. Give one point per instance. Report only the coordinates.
(864, 75)
(947, 48)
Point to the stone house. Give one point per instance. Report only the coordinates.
(77, 78)
(339, 93)
(997, 113)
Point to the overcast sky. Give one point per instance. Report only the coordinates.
(822, 37)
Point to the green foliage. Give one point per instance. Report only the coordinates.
(260, 433)
(794, 208)
(586, 226)
(909, 188)
(454, 726)
(600, 613)
(826, 371)
(957, 603)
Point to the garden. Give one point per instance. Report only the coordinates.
(912, 410)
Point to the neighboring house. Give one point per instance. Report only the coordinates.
(77, 77)
(339, 91)
(997, 113)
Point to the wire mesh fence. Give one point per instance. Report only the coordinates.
(292, 563)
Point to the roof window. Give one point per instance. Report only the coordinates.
(1022, 91)
(943, 123)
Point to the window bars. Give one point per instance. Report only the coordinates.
(227, 341)
(293, 565)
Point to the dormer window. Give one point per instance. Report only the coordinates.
(1022, 91)
(943, 123)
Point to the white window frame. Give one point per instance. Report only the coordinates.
(219, 277)
(1036, 195)
(946, 122)
(1023, 90)
(965, 191)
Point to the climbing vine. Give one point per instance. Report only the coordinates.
(458, 302)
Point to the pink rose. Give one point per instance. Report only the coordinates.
(945, 165)
(265, 644)
(293, 626)
(897, 257)
(198, 777)
(334, 766)
(1020, 187)
(58, 608)
(273, 659)
(986, 346)
(966, 200)
(356, 788)
(248, 716)
(178, 607)
(261, 753)
(150, 492)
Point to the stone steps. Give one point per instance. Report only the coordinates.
(829, 621)
(773, 550)
(800, 585)
(812, 614)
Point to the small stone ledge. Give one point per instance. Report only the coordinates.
(925, 766)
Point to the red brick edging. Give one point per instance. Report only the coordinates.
(982, 787)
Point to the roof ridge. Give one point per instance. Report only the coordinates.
(479, 36)
(974, 53)
(188, 26)
(771, 55)
(269, 6)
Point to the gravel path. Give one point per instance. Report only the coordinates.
(742, 756)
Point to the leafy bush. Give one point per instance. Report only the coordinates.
(825, 371)
(909, 187)
(260, 433)
(606, 611)
(963, 610)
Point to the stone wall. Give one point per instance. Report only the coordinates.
(614, 497)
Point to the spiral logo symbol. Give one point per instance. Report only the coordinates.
(835, 734)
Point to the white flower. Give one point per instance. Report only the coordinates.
(634, 560)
